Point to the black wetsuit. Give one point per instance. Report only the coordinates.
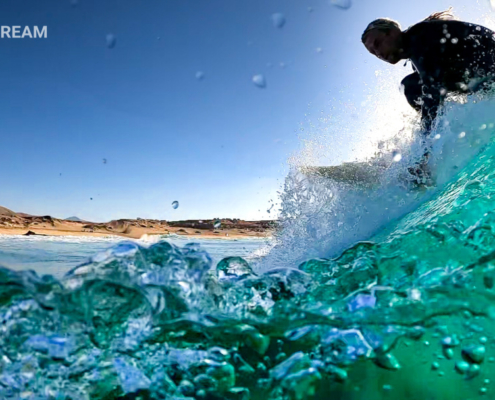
(448, 56)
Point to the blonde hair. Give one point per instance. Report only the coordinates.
(387, 24)
(441, 15)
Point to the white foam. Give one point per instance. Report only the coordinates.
(321, 218)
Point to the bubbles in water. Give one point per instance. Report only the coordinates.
(217, 224)
(443, 40)
(175, 205)
(278, 20)
(474, 353)
(111, 40)
(343, 4)
(437, 136)
(455, 40)
(260, 81)
(462, 134)
(461, 367)
(91, 198)
(104, 161)
(396, 156)
(200, 75)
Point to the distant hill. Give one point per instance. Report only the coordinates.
(6, 211)
(75, 219)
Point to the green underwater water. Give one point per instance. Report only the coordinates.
(408, 314)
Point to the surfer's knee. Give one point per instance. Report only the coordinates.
(412, 89)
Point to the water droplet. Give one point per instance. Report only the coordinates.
(474, 353)
(483, 127)
(462, 134)
(437, 136)
(233, 268)
(443, 40)
(175, 205)
(483, 390)
(455, 40)
(448, 353)
(278, 20)
(217, 224)
(486, 381)
(259, 80)
(343, 4)
(483, 339)
(319, 50)
(91, 198)
(461, 367)
(396, 156)
(104, 161)
(111, 40)
(435, 365)
(450, 341)
(387, 361)
(200, 75)
(387, 388)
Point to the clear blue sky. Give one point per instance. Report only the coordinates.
(220, 145)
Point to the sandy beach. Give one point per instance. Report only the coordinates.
(17, 223)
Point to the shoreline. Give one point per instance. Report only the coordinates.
(224, 234)
(16, 223)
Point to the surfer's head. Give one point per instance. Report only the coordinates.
(383, 38)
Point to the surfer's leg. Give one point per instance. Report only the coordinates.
(412, 86)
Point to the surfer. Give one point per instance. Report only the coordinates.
(447, 55)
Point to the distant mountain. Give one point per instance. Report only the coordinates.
(75, 219)
(6, 211)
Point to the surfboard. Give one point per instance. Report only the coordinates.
(355, 173)
(363, 174)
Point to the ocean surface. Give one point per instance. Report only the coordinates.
(55, 255)
(369, 293)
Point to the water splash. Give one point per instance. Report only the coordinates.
(175, 205)
(278, 20)
(259, 81)
(111, 40)
(342, 4)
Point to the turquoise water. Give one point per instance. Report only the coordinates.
(365, 293)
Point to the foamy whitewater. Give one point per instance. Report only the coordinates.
(384, 292)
